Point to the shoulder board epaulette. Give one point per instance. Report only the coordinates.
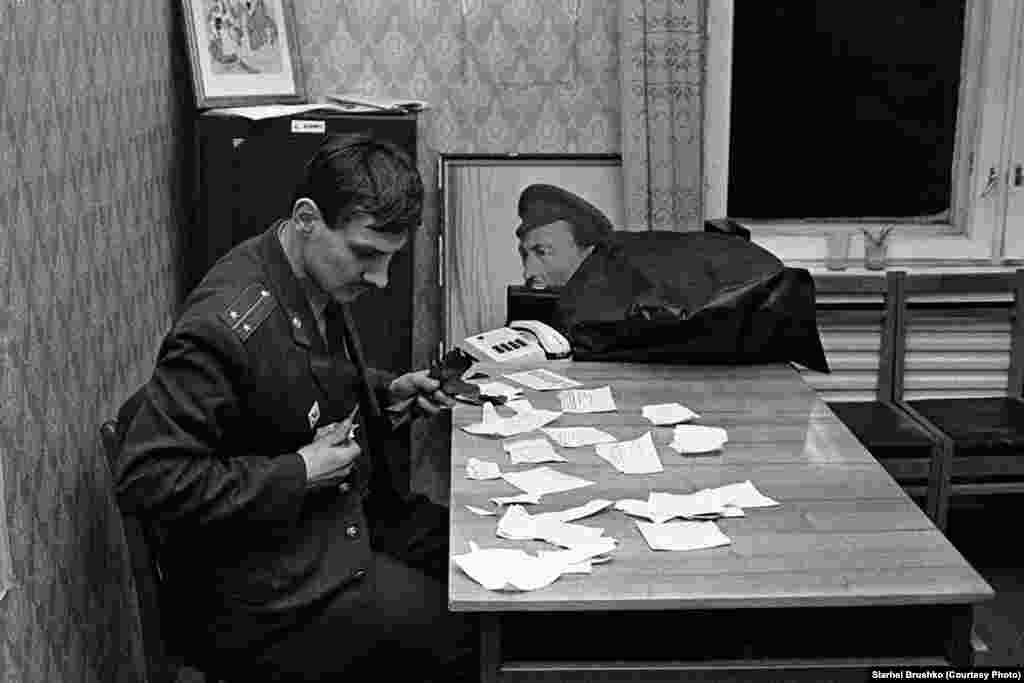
(248, 310)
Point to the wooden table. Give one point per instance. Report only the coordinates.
(846, 573)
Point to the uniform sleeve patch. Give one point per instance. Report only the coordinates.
(248, 311)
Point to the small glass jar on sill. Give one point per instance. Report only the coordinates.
(876, 248)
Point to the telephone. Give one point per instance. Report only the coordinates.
(522, 340)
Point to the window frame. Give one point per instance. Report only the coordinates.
(976, 231)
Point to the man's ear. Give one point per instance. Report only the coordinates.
(305, 214)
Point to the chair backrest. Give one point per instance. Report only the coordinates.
(857, 322)
(960, 335)
(161, 666)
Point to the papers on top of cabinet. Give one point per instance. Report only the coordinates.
(668, 413)
(587, 400)
(638, 456)
(542, 379)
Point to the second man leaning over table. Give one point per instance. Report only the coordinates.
(288, 548)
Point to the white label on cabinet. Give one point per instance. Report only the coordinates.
(303, 126)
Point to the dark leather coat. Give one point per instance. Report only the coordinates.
(690, 297)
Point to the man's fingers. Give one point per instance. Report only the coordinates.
(443, 399)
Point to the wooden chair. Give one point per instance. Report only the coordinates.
(981, 427)
(852, 309)
(164, 658)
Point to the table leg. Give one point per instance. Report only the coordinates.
(959, 650)
(490, 648)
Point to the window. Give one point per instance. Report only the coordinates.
(826, 115)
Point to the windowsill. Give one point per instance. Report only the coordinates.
(860, 270)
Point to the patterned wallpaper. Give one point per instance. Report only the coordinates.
(90, 188)
(89, 144)
(501, 75)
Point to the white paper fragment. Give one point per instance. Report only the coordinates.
(683, 535)
(509, 569)
(525, 420)
(638, 456)
(668, 413)
(531, 451)
(575, 437)
(587, 400)
(542, 379)
(698, 439)
(482, 470)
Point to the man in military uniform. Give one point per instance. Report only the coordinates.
(559, 230)
(289, 550)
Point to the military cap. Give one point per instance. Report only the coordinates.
(541, 204)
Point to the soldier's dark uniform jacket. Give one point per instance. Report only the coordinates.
(242, 382)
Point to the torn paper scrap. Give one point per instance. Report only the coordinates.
(482, 470)
(509, 569)
(512, 569)
(578, 512)
(518, 525)
(698, 439)
(587, 400)
(744, 495)
(517, 499)
(500, 389)
(520, 405)
(668, 413)
(480, 511)
(638, 456)
(683, 535)
(525, 420)
(542, 480)
(574, 437)
(542, 380)
(661, 510)
(531, 451)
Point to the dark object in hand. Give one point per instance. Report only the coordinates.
(449, 373)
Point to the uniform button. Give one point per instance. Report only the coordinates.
(297, 323)
(352, 531)
(344, 487)
(359, 574)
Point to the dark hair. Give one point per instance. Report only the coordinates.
(352, 174)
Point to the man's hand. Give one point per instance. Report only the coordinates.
(418, 390)
(332, 452)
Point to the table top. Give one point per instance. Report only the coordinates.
(844, 534)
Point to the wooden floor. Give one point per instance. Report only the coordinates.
(985, 531)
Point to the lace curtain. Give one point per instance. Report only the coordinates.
(661, 59)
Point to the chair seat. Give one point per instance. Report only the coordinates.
(977, 424)
(903, 447)
(987, 433)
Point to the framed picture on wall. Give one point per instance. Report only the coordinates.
(479, 250)
(242, 52)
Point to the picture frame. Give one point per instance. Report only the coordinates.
(478, 249)
(243, 52)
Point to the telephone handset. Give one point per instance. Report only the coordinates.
(522, 340)
(551, 340)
